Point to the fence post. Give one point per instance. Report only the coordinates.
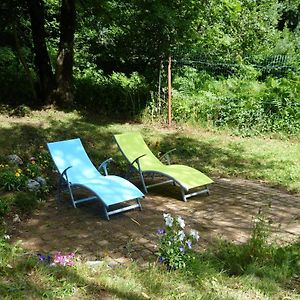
(169, 93)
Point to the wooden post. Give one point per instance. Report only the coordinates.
(169, 93)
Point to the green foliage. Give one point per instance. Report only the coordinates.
(11, 178)
(256, 256)
(240, 102)
(14, 178)
(25, 201)
(116, 94)
(15, 88)
(21, 111)
(174, 249)
(6, 202)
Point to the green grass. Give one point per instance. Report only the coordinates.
(24, 277)
(275, 161)
(213, 274)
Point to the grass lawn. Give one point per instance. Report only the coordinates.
(274, 275)
(275, 161)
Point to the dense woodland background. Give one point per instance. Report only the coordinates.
(234, 63)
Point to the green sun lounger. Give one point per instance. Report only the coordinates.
(77, 171)
(140, 158)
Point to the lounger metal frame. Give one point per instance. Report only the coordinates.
(142, 174)
(64, 185)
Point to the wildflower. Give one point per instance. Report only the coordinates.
(161, 231)
(189, 244)
(168, 219)
(19, 171)
(17, 174)
(6, 237)
(43, 258)
(181, 248)
(194, 234)
(64, 260)
(181, 222)
(161, 259)
(181, 235)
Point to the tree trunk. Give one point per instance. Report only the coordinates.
(65, 58)
(42, 60)
(24, 63)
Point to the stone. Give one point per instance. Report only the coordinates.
(94, 263)
(33, 185)
(41, 180)
(15, 159)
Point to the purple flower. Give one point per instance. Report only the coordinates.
(161, 259)
(181, 248)
(161, 231)
(64, 260)
(43, 258)
(189, 244)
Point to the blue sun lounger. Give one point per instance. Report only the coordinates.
(77, 171)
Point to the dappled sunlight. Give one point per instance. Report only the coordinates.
(228, 213)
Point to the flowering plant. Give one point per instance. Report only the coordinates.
(175, 245)
(58, 259)
(11, 178)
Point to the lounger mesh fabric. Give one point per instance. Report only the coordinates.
(132, 145)
(109, 189)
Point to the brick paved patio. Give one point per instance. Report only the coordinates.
(227, 213)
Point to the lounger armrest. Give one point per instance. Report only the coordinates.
(137, 161)
(104, 164)
(64, 174)
(167, 156)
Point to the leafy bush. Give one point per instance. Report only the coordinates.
(243, 103)
(116, 93)
(175, 245)
(16, 178)
(11, 178)
(15, 88)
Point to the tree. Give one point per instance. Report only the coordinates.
(65, 58)
(56, 87)
(42, 60)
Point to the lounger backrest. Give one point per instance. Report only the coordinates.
(132, 145)
(70, 153)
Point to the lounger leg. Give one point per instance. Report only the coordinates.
(139, 203)
(71, 195)
(105, 212)
(143, 182)
(208, 191)
(183, 195)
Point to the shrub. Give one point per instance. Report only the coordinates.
(12, 178)
(175, 246)
(242, 103)
(116, 93)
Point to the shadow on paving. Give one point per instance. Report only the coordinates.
(228, 213)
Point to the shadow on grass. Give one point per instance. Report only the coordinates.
(97, 136)
(56, 282)
(211, 158)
